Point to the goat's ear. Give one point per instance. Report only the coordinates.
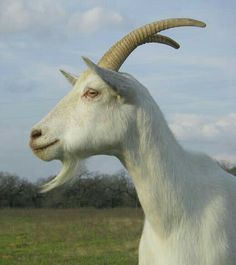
(119, 82)
(70, 77)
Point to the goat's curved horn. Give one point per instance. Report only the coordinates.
(117, 54)
(158, 38)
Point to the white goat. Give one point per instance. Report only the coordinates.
(188, 200)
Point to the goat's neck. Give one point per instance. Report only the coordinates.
(154, 160)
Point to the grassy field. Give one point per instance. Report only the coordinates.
(70, 236)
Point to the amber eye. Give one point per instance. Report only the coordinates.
(91, 93)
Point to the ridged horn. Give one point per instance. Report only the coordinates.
(158, 38)
(117, 54)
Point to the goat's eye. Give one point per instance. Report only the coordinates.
(91, 93)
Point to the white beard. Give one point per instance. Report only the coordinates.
(70, 168)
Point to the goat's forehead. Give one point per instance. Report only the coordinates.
(88, 78)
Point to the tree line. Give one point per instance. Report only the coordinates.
(87, 190)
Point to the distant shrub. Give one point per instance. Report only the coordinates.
(88, 190)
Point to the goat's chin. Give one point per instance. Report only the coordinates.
(70, 167)
(48, 154)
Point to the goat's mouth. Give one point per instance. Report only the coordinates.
(38, 148)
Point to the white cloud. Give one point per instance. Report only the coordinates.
(50, 15)
(94, 19)
(198, 127)
(214, 135)
(24, 15)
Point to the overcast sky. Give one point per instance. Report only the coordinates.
(194, 86)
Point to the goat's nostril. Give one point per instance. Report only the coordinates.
(36, 133)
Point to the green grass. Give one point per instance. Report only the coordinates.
(70, 236)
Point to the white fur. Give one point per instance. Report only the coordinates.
(188, 200)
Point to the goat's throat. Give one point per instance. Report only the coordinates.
(154, 169)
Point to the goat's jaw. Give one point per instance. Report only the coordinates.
(53, 149)
(47, 151)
